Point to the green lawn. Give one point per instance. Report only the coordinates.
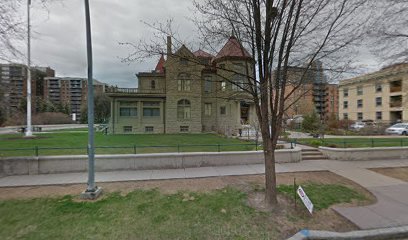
(149, 214)
(356, 142)
(323, 196)
(118, 144)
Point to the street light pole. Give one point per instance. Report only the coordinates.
(92, 191)
(28, 132)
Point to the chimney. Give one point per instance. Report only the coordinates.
(168, 46)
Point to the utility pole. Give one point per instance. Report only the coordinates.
(28, 132)
(92, 191)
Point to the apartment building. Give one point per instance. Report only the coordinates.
(380, 96)
(13, 83)
(189, 92)
(70, 91)
(315, 94)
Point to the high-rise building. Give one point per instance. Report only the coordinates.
(13, 85)
(314, 93)
(69, 92)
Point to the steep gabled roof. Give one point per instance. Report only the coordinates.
(183, 51)
(160, 65)
(203, 54)
(233, 48)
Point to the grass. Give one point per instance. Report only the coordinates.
(118, 144)
(149, 214)
(324, 196)
(355, 142)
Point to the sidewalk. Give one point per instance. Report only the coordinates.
(391, 208)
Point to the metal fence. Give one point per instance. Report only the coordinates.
(130, 149)
(354, 142)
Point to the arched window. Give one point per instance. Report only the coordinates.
(153, 84)
(183, 109)
(183, 82)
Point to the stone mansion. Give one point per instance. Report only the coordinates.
(188, 92)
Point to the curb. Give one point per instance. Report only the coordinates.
(375, 234)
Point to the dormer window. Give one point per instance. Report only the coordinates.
(153, 84)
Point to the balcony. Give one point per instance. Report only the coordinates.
(396, 104)
(320, 93)
(396, 86)
(133, 91)
(396, 101)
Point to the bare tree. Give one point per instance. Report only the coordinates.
(389, 32)
(12, 28)
(279, 34)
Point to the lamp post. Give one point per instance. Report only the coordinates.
(92, 191)
(28, 132)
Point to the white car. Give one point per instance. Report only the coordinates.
(357, 126)
(399, 128)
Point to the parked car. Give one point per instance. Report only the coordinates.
(357, 126)
(399, 129)
(362, 124)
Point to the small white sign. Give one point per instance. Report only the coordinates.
(305, 199)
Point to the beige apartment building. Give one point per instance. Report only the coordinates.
(380, 96)
(188, 92)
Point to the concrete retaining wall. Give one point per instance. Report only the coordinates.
(78, 163)
(356, 154)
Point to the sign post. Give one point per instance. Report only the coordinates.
(305, 199)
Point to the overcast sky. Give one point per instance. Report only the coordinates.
(59, 36)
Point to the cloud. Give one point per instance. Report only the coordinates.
(59, 35)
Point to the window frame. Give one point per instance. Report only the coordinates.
(183, 109)
(345, 92)
(207, 84)
(153, 107)
(358, 116)
(379, 113)
(147, 129)
(184, 129)
(223, 110)
(345, 104)
(378, 87)
(378, 103)
(207, 109)
(345, 116)
(359, 90)
(130, 111)
(126, 129)
(359, 103)
(183, 83)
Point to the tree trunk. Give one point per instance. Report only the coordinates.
(270, 174)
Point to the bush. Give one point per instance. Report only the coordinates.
(316, 142)
(52, 118)
(345, 124)
(16, 119)
(39, 119)
(311, 123)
